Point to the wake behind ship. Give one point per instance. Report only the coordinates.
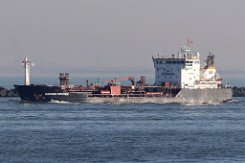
(178, 79)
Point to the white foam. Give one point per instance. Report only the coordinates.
(146, 100)
(59, 102)
(233, 101)
(141, 100)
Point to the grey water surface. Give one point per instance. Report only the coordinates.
(66, 132)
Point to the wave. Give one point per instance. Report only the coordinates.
(148, 101)
(142, 100)
(233, 101)
(59, 102)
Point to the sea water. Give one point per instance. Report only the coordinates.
(73, 132)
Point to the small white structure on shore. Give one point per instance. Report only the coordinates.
(27, 66)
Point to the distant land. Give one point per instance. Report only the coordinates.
(4, 92)
(238, 91)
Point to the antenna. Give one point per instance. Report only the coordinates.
(189, 42)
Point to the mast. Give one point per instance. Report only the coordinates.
(186, 49)
(27, 66)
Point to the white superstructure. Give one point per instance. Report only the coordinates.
(184, 70)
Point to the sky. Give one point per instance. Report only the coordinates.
(95, 37)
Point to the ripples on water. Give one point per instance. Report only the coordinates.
(66, 132)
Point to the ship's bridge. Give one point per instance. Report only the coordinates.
(181, 69)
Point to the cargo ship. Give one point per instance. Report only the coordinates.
(179, 78)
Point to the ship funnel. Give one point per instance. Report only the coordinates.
(27, 66)
(210, 60)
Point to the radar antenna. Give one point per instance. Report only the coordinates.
(186, 49)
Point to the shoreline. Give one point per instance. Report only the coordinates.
(4, 92)
(238, 91)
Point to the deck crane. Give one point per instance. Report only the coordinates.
(129, 78)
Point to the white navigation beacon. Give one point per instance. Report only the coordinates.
(27, 66)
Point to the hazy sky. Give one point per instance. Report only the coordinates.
(111, 35)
